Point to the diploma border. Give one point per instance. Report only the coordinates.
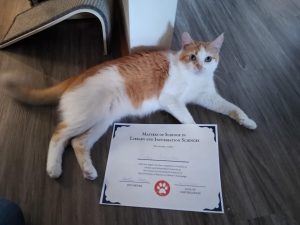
(218, 209)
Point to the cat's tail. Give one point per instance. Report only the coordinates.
(34, 96)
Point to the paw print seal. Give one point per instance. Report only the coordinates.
(162, 188)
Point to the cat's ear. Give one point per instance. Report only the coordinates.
(186, 39)
(216, 44)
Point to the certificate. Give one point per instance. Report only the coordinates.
(167, 166)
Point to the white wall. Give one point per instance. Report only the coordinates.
(150, 22)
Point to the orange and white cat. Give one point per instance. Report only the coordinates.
(138, 85)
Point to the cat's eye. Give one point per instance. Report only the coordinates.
(193, 57)
(208, 59)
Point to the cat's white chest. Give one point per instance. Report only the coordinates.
(186, 86)
(176, 84)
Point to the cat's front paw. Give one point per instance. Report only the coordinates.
(250, 124)
(243, 119)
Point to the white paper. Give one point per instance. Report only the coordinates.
(164, 166)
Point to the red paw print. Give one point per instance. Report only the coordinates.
(162, 188)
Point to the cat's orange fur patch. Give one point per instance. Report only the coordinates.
(57, 132)
(188, 50)
(144, 74)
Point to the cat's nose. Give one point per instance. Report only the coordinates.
(199, 66)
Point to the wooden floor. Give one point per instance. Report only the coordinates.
(259, 71)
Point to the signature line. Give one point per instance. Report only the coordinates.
(164, 160)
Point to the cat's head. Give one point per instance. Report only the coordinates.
(200, 57)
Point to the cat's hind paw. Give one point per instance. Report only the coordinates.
(90, 173)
